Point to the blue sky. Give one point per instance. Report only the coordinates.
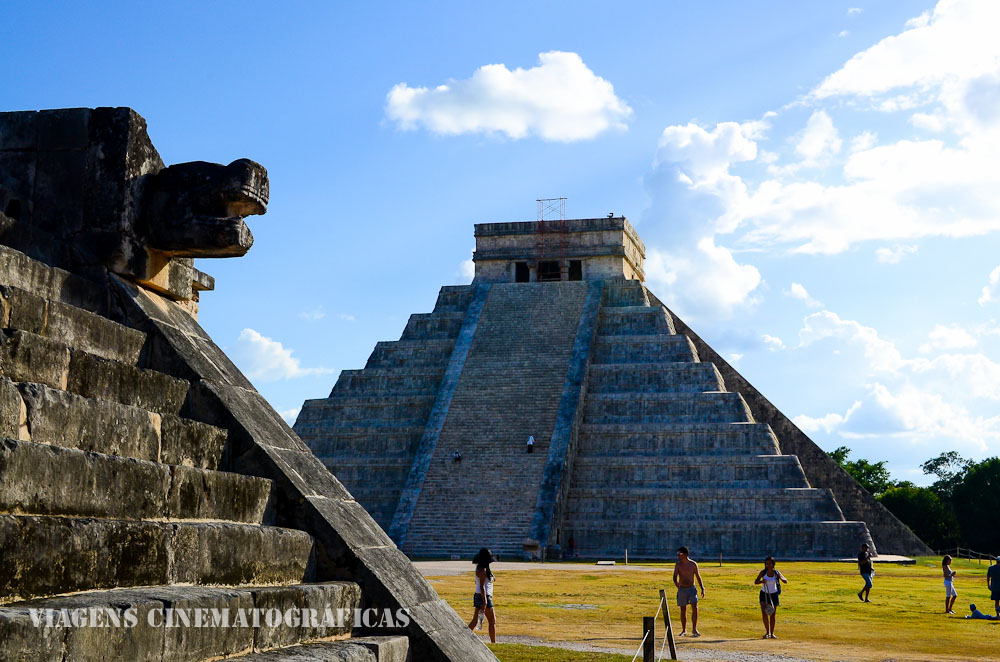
(816, 183)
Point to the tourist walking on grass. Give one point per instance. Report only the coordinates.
(770, 594)
(685, 572)
(867, 572)
(950, 594)
(993, 584)
(483, 598)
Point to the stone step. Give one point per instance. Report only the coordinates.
(453, 298)
(82, 484)
(72, 326)
(432, 326)
(654, 378)
(712, 407)
(343, 439)
(393, 411)
(22, 272)
(634, 320)
(421, 381)
(659, 439)
(643, 349)
(778, 471)
(355, 649)
(102, 426)
(145, 639)
(411, 353)
(51, 555)
(735, 540)
(28, 357)
(623, 293)
(699, 505)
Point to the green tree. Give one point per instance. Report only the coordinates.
(873, 476)
(920, 508)
(950, 468)
(976, 500)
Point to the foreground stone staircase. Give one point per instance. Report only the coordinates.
(153, 506)
(367, 431)
(111, 499)
(667, 457)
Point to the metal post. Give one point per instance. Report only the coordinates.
(649, 643)
(668, 625)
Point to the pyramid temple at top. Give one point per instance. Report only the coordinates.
(645, 439)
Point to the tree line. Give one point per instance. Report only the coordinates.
(960, 508)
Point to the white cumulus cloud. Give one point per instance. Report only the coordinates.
(560, 99)
(827, 423)
(991, 291)
(882, 355)
(773, 343)
(266, 360)
(948, 337)
(798, 291)
(705, 281)
(894, 255)
(957, 40)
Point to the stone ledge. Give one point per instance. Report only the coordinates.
(23, 641)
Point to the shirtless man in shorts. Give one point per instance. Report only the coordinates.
(685, 572)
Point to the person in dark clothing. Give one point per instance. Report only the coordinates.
(993, 583)
(867, 571)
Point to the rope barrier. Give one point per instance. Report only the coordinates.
(660, 656)
(641, 643)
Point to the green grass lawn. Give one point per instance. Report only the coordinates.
(820, 616)
(520, 653)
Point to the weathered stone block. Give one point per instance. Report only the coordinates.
(26, 357)
(187, 442)
(22, 641)
(64, 419)
(41, 479)
(199, 494)
(207, 642)
(96, 377)
(113, 639)
(386, 649)
(27, 311)
(18, 131)
(340, 598)
(48, 555)
(235, 554)
(92, 333)
(331, 651)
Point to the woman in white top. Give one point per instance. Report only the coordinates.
(950, 594)
(483, 598)
(770, 593)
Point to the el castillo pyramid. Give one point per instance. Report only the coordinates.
(645, 438)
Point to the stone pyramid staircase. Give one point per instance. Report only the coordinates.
(368, 430)
(667, 457)
(510, 388)
(111, 499)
